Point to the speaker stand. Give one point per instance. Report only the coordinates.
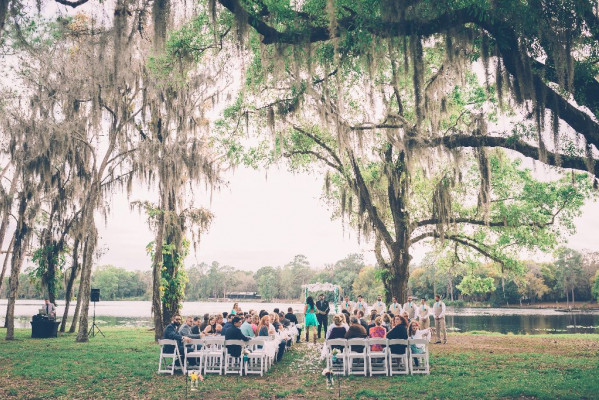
(92, 330)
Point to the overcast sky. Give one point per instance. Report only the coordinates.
(266, 219)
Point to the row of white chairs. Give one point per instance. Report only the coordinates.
(210, 355)
(381, 361)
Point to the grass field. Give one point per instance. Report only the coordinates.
(471, 366)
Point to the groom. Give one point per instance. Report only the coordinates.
(322, 308)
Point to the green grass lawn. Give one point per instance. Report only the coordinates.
(124, 363)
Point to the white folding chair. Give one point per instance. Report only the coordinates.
(192, 351)
(422, 358)
(256, 359)
(398, 363)
(174, 356)
(337, 363)
(271, 348)
(356, 362)
(377, 359)
(234, 365)
(213, 350)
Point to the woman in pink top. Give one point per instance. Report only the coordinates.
(377, 331)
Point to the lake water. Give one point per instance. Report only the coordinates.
(503, 320)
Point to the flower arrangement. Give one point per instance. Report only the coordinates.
(195, 380)
(329, 375)
(246, 352)
(334, 353)
(299, 326)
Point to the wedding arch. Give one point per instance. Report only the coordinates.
(323, 287)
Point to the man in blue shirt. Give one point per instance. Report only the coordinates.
(246, 327)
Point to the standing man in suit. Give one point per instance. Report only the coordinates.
(439, 314)
(424, 314)
(322, 315)
(379, 305)
(395, 308)
(347, 305)
(411, 309)
(361, 305)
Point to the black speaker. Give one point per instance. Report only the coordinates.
(95, 295)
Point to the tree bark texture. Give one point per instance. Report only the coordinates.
(21, 239)
(69, 289)
(86, 272)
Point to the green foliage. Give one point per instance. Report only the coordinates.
(266, 283)
(50, 278)
(596, 286)
(368, 284)
(174, 278)
(117, 283)
(187, 45)
(472, 285)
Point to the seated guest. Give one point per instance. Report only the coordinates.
(220, 320)
(227, 324)
(399, 331)
(415, 333)
(386, 322)
(186, 329)
(406, 315)
(356, 330)
(255, 323)
(50, 309)
(205, 322)
(377, 331)
(291, 317)
(346, 314)
(276, 310)
(171, 332)
(264, 326)
(284, 321)
(262, 313)
(246, 327)
(225, 316)
(338, 330)
(373, 316)
(195, 328)
(341, 318)
(213, 328)
(275, 322)
(362, 321)
(234, 333)
(278, 327)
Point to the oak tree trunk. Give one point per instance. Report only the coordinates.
(21, 239)
(69, 288)
(86, 272)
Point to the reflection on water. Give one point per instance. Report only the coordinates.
(525, 324)
(517, 321)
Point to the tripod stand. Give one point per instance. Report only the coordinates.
(92, 330)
